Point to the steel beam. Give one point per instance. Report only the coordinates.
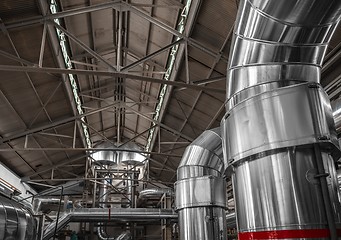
(52, 125)
(161, 50)
(161, 124)
(84, 46)
(67, 13)
(106, 73)
(15, 58)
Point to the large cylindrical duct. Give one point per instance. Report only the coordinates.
(16, 222)
(200, 191)
(278, 133)
(336, 106)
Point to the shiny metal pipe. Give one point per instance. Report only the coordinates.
(279, 127)
(336, 106)
(104, 192)
(16, 222)
(202, 223)
(273, 46)
(285, 181)
(107, 215)
(155, 192)
(200, 191)
(38, 203)
(102, 235)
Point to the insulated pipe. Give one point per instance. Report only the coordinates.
(102, 235)
(39, 202)
(278, 133)
(155, 192)
(107, 215)
(16, 222)
(201, 188)
(104, 192)
(336, 106)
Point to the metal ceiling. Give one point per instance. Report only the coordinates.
(148, 71)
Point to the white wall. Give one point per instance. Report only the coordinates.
(15, 180)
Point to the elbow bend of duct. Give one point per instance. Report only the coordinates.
(102, 235)
(204, 156)
(200, 188)
(278, 44)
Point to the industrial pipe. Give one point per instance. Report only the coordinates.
(278, 133)
(38, 203)
(336, 106)
(102, 235)
(200, 189)
(16, 221)
(100, 215)
(155, 192)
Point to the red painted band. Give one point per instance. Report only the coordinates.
(280, 234)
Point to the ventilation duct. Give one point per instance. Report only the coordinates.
(105, 155)
(39, 203)
(200, 189)
(16, 221)
(155, 193)
(102, 235)
(278, 132)
(111, 155)
(336, 106)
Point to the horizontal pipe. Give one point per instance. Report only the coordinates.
(38, 203)
(16, 221)
(155, 192)
(107, 215)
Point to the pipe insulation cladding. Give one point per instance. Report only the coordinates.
(278, 133)
(200, 190)
(16, 221)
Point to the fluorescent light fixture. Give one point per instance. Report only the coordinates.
(68, 64)
(170, 67)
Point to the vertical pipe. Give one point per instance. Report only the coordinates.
(201, 188)
(278, 130)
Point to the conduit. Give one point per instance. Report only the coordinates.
(278, 133)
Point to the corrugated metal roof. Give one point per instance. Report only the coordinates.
(36, 103)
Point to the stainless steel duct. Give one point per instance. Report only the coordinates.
(278, 132)
(201, 188)
(104, 192)
(336, 106)
(38, 203)
(16, 221)
(155, 192)
(106, 215)
(102, 235)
